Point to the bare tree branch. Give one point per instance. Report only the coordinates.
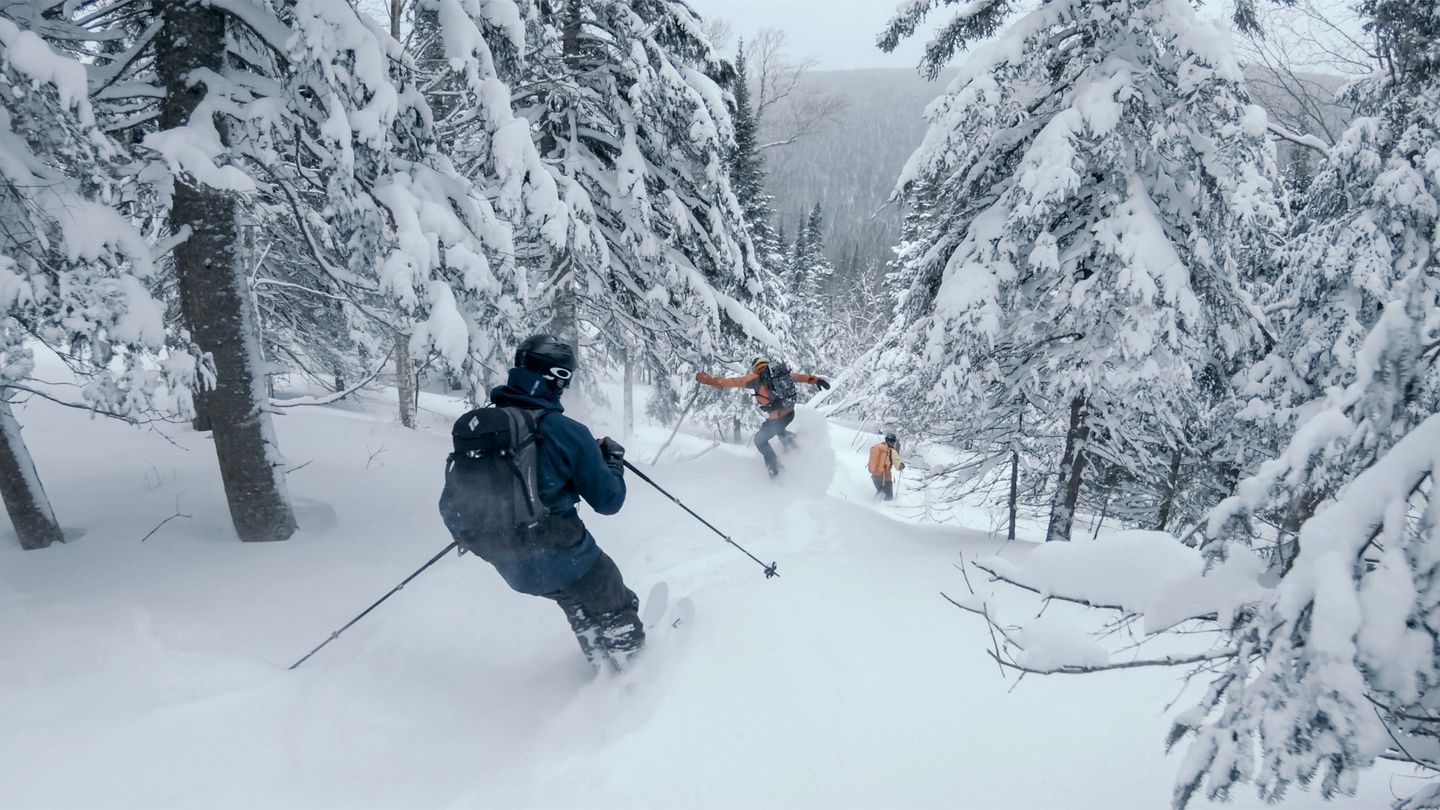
(798, 111)
(718, 30)
(336, 397)
(162, 523)
(1072, 599)
(1072, 669)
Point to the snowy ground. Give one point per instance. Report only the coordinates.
(154, 674)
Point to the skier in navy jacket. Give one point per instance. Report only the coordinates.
(565, 564)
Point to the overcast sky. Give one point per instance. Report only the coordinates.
(839, 33)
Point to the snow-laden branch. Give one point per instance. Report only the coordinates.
(995, 576)
(90, 407)
(1307, 141)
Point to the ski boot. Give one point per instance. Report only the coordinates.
(590, 638)
(623, 637)
(618, 635)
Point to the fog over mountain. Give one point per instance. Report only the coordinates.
(850, 167)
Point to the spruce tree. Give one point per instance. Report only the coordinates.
(307, 129)
(1335, 667)
(1094, 178)
(747, 169)
(632, 121)
(74, 269)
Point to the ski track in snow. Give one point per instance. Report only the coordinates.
(153, 675)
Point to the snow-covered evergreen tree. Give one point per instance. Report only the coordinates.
(74, 270)
(317, 139)
(631, 119)
(808, 274)
(1095, 176)
(747, 170)
(1323, 579)
(1336, 666)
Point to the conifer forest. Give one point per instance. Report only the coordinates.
(1099, 347)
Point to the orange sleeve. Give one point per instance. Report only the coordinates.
(724, 382)
(808, 379)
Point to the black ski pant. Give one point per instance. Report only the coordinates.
(768, 431)
(884, 486)
(604, 614)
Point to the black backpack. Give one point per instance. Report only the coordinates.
(776, 379)
(491, 503)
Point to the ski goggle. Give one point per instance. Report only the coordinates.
(561, 374)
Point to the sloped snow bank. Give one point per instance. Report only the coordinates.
(153, 674)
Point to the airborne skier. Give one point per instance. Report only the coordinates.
(774, 388)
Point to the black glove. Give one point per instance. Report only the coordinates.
(612, 451)
(822, 383)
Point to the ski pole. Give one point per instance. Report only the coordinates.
(769, 569)
(392, 592)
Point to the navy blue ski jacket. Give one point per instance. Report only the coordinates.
(570, 467)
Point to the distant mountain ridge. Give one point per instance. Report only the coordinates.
(850, 167)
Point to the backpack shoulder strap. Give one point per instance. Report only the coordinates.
(531, 422)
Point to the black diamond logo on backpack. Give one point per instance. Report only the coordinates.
(474, 422)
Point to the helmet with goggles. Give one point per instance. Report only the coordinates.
(548, 356)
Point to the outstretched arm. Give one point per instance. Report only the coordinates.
(810, 379)
(724, 382)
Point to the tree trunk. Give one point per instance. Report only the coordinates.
(20, 487)
(1104, 510)
(565, 306)
(555, 135)
(405, 380)
(629, 427)
(214, 293)
(571, 36)
(1302, 508)
(101, 352)
(1015, 478)
(1072, 469)
(1172, 486)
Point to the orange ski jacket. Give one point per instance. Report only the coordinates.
(883, 459)
(752, 381)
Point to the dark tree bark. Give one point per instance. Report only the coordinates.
(1015, 475)
(214, 292)
(1172, 487)
(20, 487)
(555, 138)
(1072, 470)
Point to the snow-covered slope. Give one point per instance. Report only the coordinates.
(153, 674)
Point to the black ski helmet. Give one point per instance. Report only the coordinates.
(890, 438)
(548, 356)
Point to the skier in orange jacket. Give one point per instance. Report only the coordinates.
(885, 457)
(779, 411)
